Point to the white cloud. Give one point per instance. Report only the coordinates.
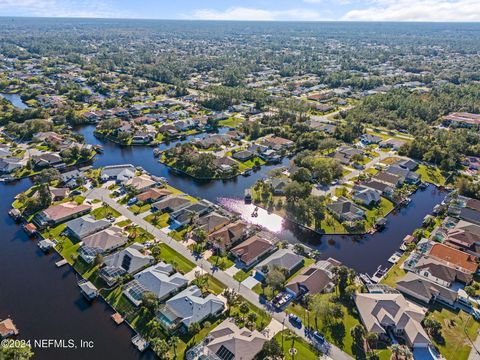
(60, 8)
(418, 10)
(243, 13)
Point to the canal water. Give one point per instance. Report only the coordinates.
(15, 99)
(45, 302)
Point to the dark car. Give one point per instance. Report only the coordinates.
(295, 320)
(318, 337)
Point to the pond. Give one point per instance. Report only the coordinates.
(15, 99)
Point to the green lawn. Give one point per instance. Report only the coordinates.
(242, 275)
(395, 272)
(222, 262)
(124, 223)
(181, 263)
(231, 122)
(455, 326)
(136, 209)
(372, 214)
(104, 211)
(431, 174)
(304, 351)
(338, 332)
(330, 225)
(159, 220)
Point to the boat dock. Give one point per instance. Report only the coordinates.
(140, 343)
(61, 263)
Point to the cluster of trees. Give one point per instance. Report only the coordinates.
(25, 130)
(201, 165)
(323, 169)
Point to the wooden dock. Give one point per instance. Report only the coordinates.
(61, 263)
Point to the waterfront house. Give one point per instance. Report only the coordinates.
(47, 159)
(159, 279)
(284, 259)
(454, 258)
(252, 250)
(440, 272)
(394, 144)
(102, 242)
(228, 341)
(57, 214)
(212, 222)
(389, 179)
(119, 173)
(171, 203)
(243, 155)
(69, 178)
(140, 183)
(464, 236)
(153, 194)
(58, 193)
(10, 164)
(312, 280)
(277, 142)
(191, 213)
(188, 307)
(126, 261)
(384, 189)
(279, 184)
(85, 226)
(346, 211)
(227, 236)
(365, 196)
(391, 313)
(407, 164)
(426, 291)
(405, 174)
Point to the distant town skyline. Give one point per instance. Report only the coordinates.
(266, 10)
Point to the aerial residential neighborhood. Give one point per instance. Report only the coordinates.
(221, 190)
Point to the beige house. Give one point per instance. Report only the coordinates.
(392, 313)
(228, 341)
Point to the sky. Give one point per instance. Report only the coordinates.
(284, 10)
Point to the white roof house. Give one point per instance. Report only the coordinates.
(157, 279)
(190, 306)
(128, 260)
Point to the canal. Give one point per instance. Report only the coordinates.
(45, 303)
(15, 100)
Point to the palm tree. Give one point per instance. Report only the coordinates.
(396, 350)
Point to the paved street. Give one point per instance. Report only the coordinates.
(251, 296)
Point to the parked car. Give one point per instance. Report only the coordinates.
(318, 337)
(132, 201)
(295, 320)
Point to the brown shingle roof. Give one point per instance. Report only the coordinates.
(61, 211)
(252, 248)
(153, 194)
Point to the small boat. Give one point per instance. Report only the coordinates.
(423, 186)
(365, 278)
(98, 148)
(248, 196)
(247, 172)
(140, 343)
(46, 244)
(378, 275)
(380, 224)
(61, 263)
(407, 200)
(157, 152)
(394, 258)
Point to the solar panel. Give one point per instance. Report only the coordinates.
(225, 354)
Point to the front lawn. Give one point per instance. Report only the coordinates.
(242, 275)
(222, 262)
(103, 211)
(138, 209)
(457, 329)
(179, 262)
(159, 220)
(304, 350)
(395, 273)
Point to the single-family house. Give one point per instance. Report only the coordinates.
(159, 279)
(312, 280)
(84, 226)
(252, 250)
(284, 259)
(227, 236)
(119, 173)
(384, 313)
(346, 211)
(141, 183)
(126, 261)
(365, 195)
(153, 194)
(171, 203)
(59, 213)
(212, 222)
(102, 242)
(188, 307)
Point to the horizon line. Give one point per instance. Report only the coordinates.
(237, 21)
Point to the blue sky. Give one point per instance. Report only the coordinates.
(306, 10)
